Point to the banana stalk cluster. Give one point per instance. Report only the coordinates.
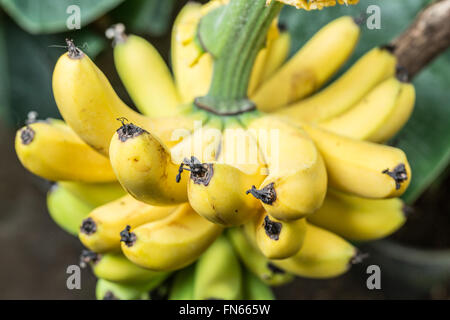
(183, 192)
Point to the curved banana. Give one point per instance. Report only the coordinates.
(255, 289)
(362, 168)
(375, 66)
(100, 231)
(145, 75)
(297, 180)
(255, 261)
(107, 290)
(51, 150)
(172, 243)
(399, 116)
(216, 190)
(66, 209)
(183, 284)
(90, 106)
(369, 115)
(323, 255)
(277, 54)
(359, 219)
(96, 194)
(275, 238)
(218, 274)
(116, 268)
(144, 167)
(311, 67)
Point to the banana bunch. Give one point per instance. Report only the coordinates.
(150, 194)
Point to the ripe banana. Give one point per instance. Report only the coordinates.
(100, 231)
(216, 190)
(255, 261)
(183, 284)
(275, 238)
(145, 75)
(297, 180)
(66, 209)
(362, 168)
(359, 219)
(277, 54)
(323, 255)
(218, 273)
(90, 106)
(96, 194)
(311, 67)
(375, 66)
(51, 150)
(255, 289)
(116, 268)
(171, 243)
(399, 116)
(369, 115)
(144, 167)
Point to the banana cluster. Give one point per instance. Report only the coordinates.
(150, 194)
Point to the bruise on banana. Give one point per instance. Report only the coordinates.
(127, 237)
(272, 228)
(267, 194)
(399, 175)
(201, 173)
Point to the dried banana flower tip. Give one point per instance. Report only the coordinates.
(267, 194)
(201, 173)
(87, 257)
(127, 237)
(399, 175)
(128, 130)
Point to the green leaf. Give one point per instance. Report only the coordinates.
(50, 16)
(426, 138)
(145, 16)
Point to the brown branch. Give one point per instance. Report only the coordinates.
(425, 39)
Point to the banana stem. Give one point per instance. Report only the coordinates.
(233, 35)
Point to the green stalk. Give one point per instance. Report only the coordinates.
(233, 35)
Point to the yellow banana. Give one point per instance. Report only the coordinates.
(399, 116)
(218, 274)
(359, 219)
(116, 268)
(277, 54)
(375, 66)
(144, 74)
(323, 255)
(172, 243)
(216, 190)
(100, 231)
(297, 180)
(66, 209)
(369, 115)
(90, 106)
(191, 67)
(51, 150)
(96, 194)
(311, 67)
(362, 168)
(275, 238)
(144, 167)
(314, 4)
(255, 261)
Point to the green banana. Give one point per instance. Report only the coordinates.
(183, 284)
(96, 194)
(255, 289)
(107, 290)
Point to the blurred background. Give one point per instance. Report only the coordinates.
(415, 262)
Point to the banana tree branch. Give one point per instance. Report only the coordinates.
(425, 39)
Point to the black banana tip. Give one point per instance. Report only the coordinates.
(402, 74)
(73, 51)
(127, 237)
(272, 228)
(201, 173)
(88, 226)
(87, 257)
(109, 295)
(27, 135)
(399, 175)
(388, 47)
(274, 269)
(128, 130)
(267, 194)
(407, 211)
